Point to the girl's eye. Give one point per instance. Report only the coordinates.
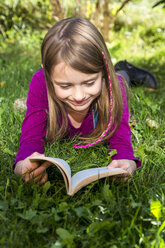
(65, 86)
(90, 83)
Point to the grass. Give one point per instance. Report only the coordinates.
(103, 214)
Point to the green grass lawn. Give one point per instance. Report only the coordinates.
(103, 214)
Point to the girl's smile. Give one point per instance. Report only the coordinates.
(80, 102)
(76, 89)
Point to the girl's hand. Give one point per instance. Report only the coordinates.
(125, 164)
(32, 171)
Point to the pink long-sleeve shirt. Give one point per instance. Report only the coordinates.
(34, 124)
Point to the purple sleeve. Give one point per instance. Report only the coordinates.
(34, 124)
(121, 139)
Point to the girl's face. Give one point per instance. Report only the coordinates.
(76, 89)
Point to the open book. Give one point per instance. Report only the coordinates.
(81, 178)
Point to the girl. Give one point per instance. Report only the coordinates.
(76, 92)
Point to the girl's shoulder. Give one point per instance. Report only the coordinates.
(122, 83)
(37, 95)
(39, 72)
(124, 88)
(39, 75)
(38, 80)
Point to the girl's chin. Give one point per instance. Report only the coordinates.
(78, 108)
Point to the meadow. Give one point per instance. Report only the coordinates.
(104, 213)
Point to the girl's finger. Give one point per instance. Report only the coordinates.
(40, 170)
(44, 179)
(30, 178)
(39, 177)
(31, 165)
(31, 175)
(29, 169)
(27, 177)
(114, 164)
(119, 178)
(123, 177)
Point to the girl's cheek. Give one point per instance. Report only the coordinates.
(60, 93)
(96, 91)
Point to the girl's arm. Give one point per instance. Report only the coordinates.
(34, 124)
(121, 141)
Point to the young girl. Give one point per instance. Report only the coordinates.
(76, 92)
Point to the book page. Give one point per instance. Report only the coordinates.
(85, 177)
(63, 167)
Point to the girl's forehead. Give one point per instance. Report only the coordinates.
(62, 66)
(64, 72)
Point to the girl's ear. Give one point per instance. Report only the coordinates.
(42, 66)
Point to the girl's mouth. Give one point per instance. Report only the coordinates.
(79, 102)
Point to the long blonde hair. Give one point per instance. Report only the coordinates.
(78, 43)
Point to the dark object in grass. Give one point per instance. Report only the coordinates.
(138, 76)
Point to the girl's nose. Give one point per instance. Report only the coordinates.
(78, 94)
